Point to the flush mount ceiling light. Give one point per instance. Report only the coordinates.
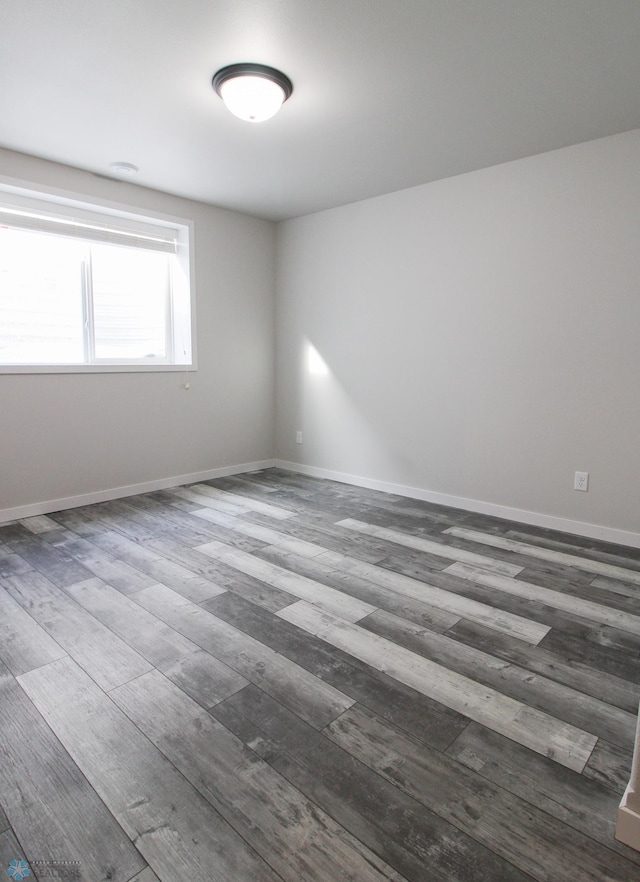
(252, 92)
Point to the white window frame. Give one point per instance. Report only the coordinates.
(182, 345)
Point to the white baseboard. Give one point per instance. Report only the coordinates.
(536, 519)
(564, 525)
(628, 823)
(51, 505)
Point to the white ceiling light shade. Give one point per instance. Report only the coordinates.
(252, 92)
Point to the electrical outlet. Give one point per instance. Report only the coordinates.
(298, 437)
(581, 481)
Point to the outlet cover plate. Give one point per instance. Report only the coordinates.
(581, 481)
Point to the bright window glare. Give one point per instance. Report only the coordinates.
(88, 289)
(130, 290)
(41, 311)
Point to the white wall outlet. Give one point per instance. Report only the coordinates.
(298, 437)
(581, 481)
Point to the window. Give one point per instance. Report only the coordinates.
(87, 288)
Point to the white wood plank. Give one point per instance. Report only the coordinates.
(594, 612)
(228, 503)
(202, 499)
(39, 524)
(290, 832)
(221, 518)
(505, 622)
(264, 534)
(175, 829)
(331, 599)
(542, 733)
(246, 502)
(559, 700)
(306, 695)
(558, 557)
(449, 552)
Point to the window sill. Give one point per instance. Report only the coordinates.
(94, 368)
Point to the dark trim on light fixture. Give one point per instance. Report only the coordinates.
(254, 70)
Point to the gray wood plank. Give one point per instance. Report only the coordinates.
(256, 801)
(121, 575)
(530, 610)
(583, 546)
(317, 526)
(307, 589)
(615, 587)
(585, 804)
(266, 535)
(517, 626)
(607, 687)
(599, 647)
(418, 843)
(577, 670)
(245, 502)
(571, 560)
(179, 578)
(223, 575)
(560, 701)
(476, 806)
(24, 644)
(413, 610)
(203, 677)
(206, 496)
(408, 709)
(145, 519)
(178, 833)
(10, 849)
(52, 809)
(586, 609)
(12, 564)
(566, 744)
(147, 875)
(59, 567)
(440, 549)
(109, 660)
(610, 765)
(307, 695)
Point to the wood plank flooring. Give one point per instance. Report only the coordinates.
(276, 678)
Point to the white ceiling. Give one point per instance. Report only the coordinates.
(387, 93)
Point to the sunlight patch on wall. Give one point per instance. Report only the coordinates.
(316, 365)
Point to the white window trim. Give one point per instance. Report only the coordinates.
(184, 294)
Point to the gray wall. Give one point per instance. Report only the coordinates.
(481, 336)
(64, 435)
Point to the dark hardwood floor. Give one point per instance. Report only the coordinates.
(274, 677)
